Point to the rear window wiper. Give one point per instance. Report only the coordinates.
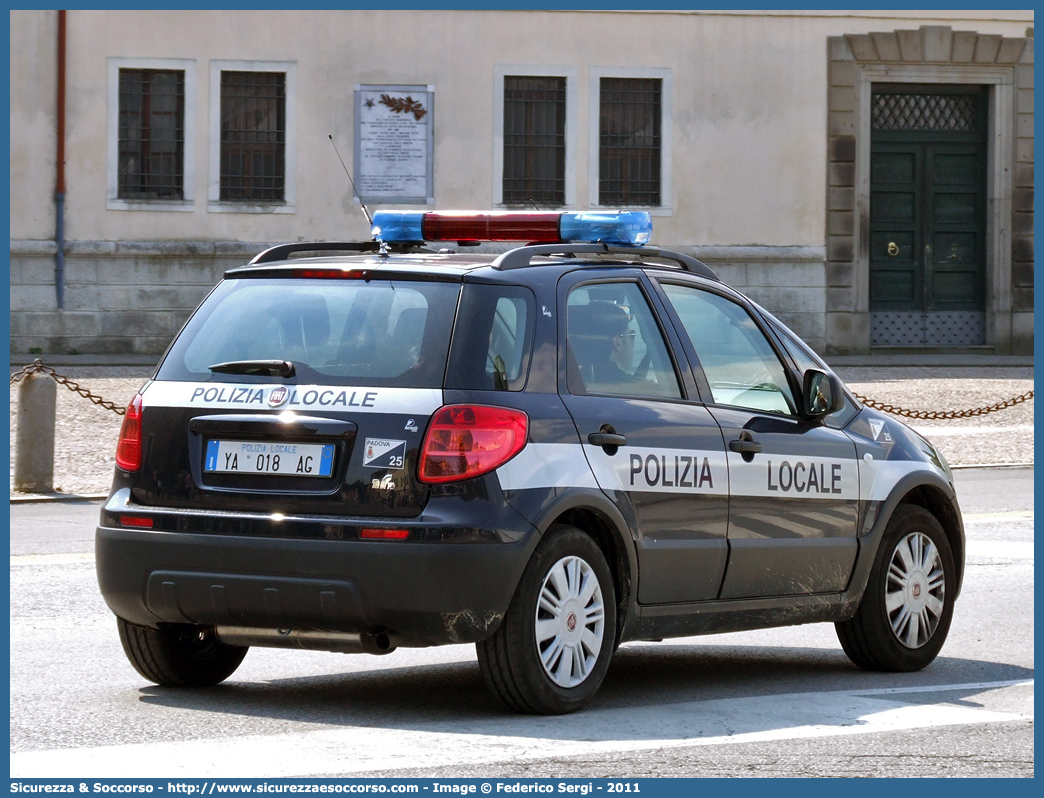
(268, 368)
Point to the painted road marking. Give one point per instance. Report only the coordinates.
(1000, 549)
(1007, 516)
(358, 749)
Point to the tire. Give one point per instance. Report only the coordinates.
(904, 615)
(179, 655)
(546, 659)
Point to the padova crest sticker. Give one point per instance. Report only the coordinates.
(383, 453)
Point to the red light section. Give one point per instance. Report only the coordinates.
(506, 226)
(128, 448)
(139, 522)
(329, 274)
(384, 534)
(464, 441)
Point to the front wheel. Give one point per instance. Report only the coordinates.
(179, 655)
(905, 613)
(551, 653)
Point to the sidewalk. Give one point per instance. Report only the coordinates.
(145, 361)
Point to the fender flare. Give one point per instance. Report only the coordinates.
(624, 534)
(870, 542)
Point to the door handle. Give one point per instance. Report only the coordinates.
(746, 446)
(606, 439)
(743, 446)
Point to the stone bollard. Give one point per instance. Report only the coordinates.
(34, 446)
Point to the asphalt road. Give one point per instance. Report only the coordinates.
(782, 702)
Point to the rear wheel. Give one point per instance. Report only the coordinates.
(905, 613)
(551, 653)
(180, 655)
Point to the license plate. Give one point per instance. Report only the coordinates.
(265, 457)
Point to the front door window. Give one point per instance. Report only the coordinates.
(739, 362)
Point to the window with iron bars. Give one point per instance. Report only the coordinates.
(253, 136)
(629, 141)
(151, 137)
(534, 140)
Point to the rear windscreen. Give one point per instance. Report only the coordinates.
(380, 333)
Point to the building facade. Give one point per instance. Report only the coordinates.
(868, 176)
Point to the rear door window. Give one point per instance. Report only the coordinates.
(382, 333)
(615, 344)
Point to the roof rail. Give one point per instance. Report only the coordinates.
(283, 251)
(520, 258)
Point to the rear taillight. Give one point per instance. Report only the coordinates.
(464, 441)
(128, 449)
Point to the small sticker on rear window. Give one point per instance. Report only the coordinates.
(381, 453)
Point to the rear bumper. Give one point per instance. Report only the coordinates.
(423, 590)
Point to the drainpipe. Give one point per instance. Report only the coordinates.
(59, 187)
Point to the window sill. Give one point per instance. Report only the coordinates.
(250, 207)
(150, 205)
(658, 210)
(528, 208)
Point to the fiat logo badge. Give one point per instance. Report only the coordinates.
(278, 396)
(916, 590)
(571, 621)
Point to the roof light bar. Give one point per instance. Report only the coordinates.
(626, 228)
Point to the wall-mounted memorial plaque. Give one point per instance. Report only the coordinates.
(393, 144)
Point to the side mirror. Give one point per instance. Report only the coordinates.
(822, 394)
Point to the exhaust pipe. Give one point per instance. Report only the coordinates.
(342, 642)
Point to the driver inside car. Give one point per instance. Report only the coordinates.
(608, 355)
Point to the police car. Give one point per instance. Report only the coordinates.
(580, 442)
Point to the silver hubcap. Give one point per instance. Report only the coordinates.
(915, 591)
(570, 621)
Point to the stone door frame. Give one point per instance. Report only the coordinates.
(933, 54)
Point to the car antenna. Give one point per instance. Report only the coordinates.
(366, 213)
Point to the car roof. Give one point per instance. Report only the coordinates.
(452, 265)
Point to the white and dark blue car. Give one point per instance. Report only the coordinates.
(548, 452)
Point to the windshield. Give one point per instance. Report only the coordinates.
(380, 332)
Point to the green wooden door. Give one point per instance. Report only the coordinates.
(927, 216)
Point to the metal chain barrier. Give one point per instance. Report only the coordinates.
(38, 366)
(931, 415)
